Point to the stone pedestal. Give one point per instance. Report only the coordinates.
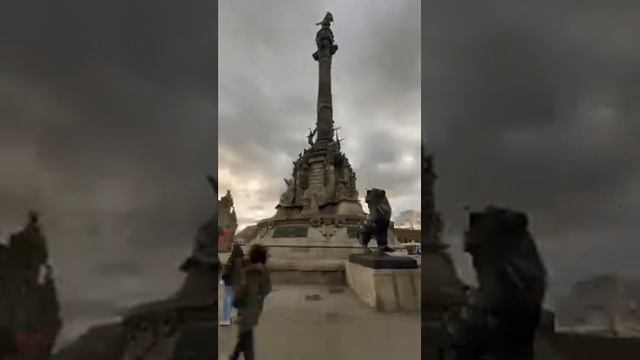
(306, 271)
(378, 262)
(387, 283)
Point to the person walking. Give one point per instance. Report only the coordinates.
(230, 277)
(249, 295)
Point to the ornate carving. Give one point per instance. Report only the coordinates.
(262, 231)
(353, 191)
(312, 199)
(226, 202)
(338, 140)
(303, 176)
(324, 38)
(311, 135)
(326, 22)
(315, 221)
(326, 231)
(330, 182)
(287, 197)
(341, 191)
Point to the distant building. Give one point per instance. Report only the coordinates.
(407, 235)
(605, 304)
(408, 219)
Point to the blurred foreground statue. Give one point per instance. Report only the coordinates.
(29, 308)
(503, 314)
(183, 326)
(228, 222)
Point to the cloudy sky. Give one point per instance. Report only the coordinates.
(536, 106)
(268, 85)
(107, 126)
(107, 123)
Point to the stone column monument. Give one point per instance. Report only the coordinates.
(326, 49)
(319, 214)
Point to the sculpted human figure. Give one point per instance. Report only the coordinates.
(303, 176)
(226, 202)
(287, 196)
(309, 202)
(312, 199)
(29, 245)
(311, 135)
(326, 22)
(338, 140)
(324, 39)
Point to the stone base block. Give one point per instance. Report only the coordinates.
(308, 277)
(385, 290)
(375, 261)
(321, 272)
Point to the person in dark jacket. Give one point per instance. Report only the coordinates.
(249, 294)
(230, 277)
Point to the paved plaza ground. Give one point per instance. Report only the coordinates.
(309, 322)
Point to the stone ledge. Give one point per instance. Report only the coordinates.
(305, 264)
(307, 271)
(375, 261)
(386, 290)
(308, 277)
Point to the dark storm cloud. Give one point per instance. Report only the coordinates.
(535, 106)
(108, 127)
(268, 90)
